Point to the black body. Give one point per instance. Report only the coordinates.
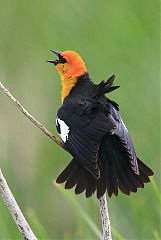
(103, 154)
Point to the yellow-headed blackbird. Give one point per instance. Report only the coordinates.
(93, 132)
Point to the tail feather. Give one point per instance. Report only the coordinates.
(144, 168)
(115, 172)
(75, 174)
(73, 178)
(144, 177)
(82, 183)
(108, 176)
(101, 185)
(124, 168)
(91, 186)
(116, 162)
(115, 175)
(66, 172)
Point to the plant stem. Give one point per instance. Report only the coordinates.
(105, 218)
(14, 209)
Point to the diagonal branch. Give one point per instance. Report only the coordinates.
(29, 116)
(14, 209)
(102, 200)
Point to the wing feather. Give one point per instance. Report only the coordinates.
(122, 132)
(85, 132)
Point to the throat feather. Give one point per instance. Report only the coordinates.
(67, 85)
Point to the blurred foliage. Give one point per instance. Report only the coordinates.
(84, 215)
(120, 37)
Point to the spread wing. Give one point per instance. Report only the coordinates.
(81, 127)
(125, 140)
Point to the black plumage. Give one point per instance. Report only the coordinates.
(104, 157)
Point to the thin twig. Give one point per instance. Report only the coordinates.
(29, 116)
(105, 218)
(14, 209)
(102, 200)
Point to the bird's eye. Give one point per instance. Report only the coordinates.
(63, 60)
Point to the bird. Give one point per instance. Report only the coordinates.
(93, 132)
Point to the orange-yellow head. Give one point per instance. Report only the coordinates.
(70, 66)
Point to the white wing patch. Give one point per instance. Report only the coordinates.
(64, 129)
(124, 125)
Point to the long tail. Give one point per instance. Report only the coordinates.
(75, 174)
(115, 172)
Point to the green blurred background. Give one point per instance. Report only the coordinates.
(120, 37)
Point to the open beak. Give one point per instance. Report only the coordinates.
(56, 61)
(56, 52)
